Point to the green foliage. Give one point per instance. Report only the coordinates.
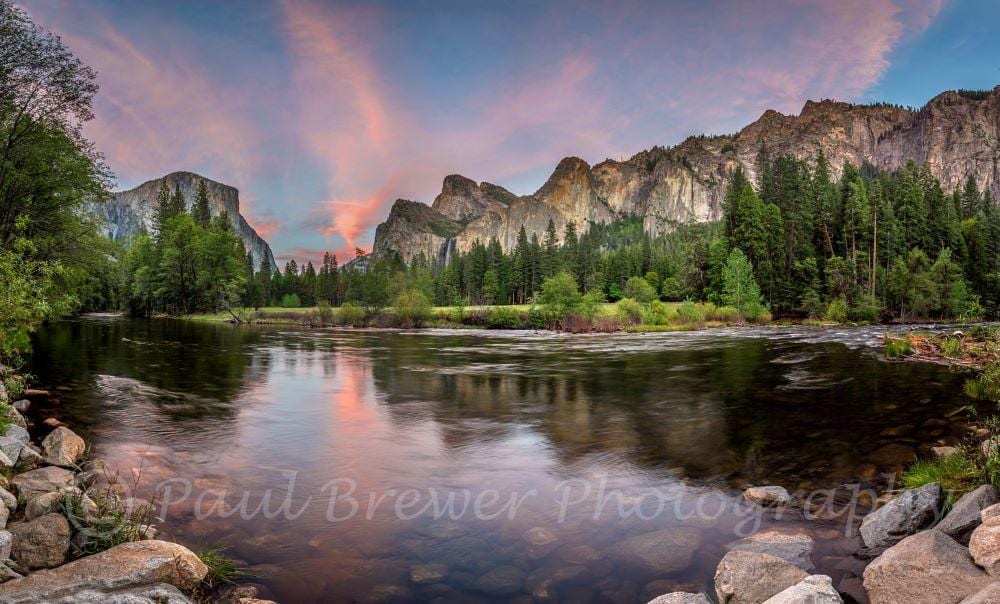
(352, 315)
(639, 290)
(629, 311)
(688, 311)
(897, 348)
(290, 301)
(658, 313)
(106, 518)
(836, 311)
(222, 570)
(986, 386)
(560, 296)
(412, 308)
(504, 317)
(740, 290)
(957, 474)
(325, 312)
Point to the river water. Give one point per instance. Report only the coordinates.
(347, 465)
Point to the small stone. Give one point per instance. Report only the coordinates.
(62, 447)
(541, 541)
(768, 496)
(814, 589)
(753, 577)
(966, 514)
(926, 567)
(53, 422)
(984, 546)
(42, 542)
(428, 573)
(942, 452)
(33, 393)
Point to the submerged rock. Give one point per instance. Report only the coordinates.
(909, 512)
(926, 567)
(791, 547)
(541, 541)
(42, 542)
(966, 514)
(767, 496)
(659, 552)
(680, 597)
(428, 573)
(130, 565)
(814, 589)
(62, 447)
(753, 577)
(501, 581)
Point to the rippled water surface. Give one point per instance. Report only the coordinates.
(364, 445)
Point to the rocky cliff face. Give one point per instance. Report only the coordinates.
(957, 135)
(130, 211)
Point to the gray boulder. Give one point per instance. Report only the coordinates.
(42, 480)
(659, 552)
(753, 577)
(814, 589)
(30, 459)
(791, 547)
(22, 405)
(62, 447)
(142, 564)
(8, 499)
(926, 567)
(13, 441)
(909, 512)
(40, 543)
(680, 597)
(966, 514)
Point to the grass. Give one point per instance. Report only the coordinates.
(222, 570)
(957, 474)
(897, 348)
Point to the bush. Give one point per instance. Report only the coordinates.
(324, 313)
(591, 303)
(412, 308)
(639, 290)
(505, 317)
(629, 311)
(689, 312)
(671, 289)
(560, 296)
(537, 318)
(658, 313)
(867, 309)
(836, 311)
(290, 301)
(352, 315)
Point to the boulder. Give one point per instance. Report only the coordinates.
(22, 405)
(4, 516)
(42, 480)
(5, 462)
(47, 503)
(7, 573)
(984, 546)
(768, 496)
(62, 447)
(40, 543)
(8, 499)
(660, 552)
(987, 595)
(753, 577)
(13, 441)
(966, 514)
(30, 460)
(142, 564)
(680, 597)
(989, 513)
(14, 417)
(814, 589)
(6, 542)
(904, 515)
(791, 547)
(926, 567)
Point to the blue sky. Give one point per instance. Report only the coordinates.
(323, 113)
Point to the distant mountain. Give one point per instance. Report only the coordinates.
(956, 133)
(129, 211)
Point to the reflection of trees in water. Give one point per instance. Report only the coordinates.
(178, 372)
(631, 405)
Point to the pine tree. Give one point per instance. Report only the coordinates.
(201, 210)
(163, 211)
(177, 204)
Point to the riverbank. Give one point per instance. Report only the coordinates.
(71, 529)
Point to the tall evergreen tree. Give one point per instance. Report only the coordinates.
(201, 210)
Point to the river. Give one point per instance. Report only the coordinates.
(351, 465)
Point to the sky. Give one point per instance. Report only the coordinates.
(324, 113)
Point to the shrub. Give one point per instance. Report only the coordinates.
(951, 347)
(352, 315)
(290, 301)
(324, 313)
(575, 324)
(896, 348)
(639, 290)
(671, 289)
(591, 303)
(560, 296)
(658, 313)
(866, 309)
(836, 311)
(689, 312)
(629, 311)
(505, 317)
(412, 308)
(725, 314)
(537, 317)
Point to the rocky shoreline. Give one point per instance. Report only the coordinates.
(70, 532)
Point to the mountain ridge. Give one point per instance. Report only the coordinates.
(957, 133)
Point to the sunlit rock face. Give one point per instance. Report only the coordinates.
(956, 135)
(129, 212)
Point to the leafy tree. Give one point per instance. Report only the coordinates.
(639, 290)
(740, 290)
